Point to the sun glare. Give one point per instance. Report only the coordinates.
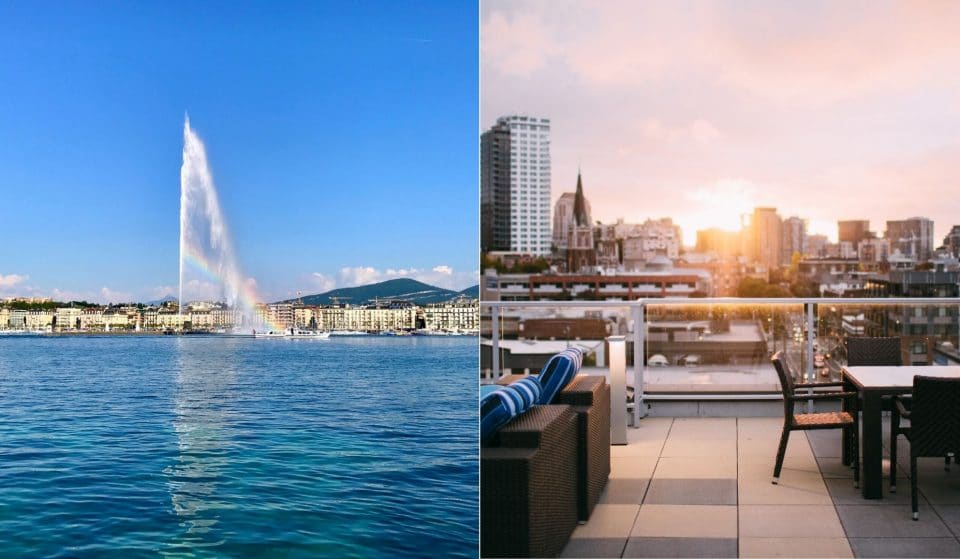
(720, 205)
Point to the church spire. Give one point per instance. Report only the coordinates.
(579, 205)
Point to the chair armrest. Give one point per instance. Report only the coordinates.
(904, 412)
(818, 384)
(823, 396)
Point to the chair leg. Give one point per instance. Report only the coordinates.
(894, 431)
(855, 452)
(913, 487)
(784, 437)
(946, 461)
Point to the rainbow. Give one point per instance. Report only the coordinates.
(247, 298)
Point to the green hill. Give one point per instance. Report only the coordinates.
(406, 289)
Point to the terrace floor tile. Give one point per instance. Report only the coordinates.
(692, 492)
(681, 547)
(608, 521)
(624, 491)
(795, 547)
(789, 521)
(686, 521)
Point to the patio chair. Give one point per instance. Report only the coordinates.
(793, 421)
(874, 351)
(934, 429)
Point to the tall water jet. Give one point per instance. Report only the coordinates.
(208, 265)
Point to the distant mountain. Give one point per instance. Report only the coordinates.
(406, 289)
(472, 292)
(159, 302)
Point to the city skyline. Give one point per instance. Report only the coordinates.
(827, 112)
(341, 142)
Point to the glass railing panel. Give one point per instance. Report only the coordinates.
(928, 332)
(530, 334)
(721, 347)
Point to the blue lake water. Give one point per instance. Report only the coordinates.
(207, 446)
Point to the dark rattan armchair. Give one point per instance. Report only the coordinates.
(874, 351)
(934, 428)
(793, 421)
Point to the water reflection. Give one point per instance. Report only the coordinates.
(204, 373)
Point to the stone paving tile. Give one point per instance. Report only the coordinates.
(676, 446)
(893, 521)
(695, 467)
(843, 492)
(789, 521)
(796, 487)
(795, 547)
(826, 442)
(681, 547)
(608, 521)
(624, 491)
(692, 492)
(950, 514)
(832, 467)
(594, 547)
(705, 428)
(905, 547)
(636, 467)
(686, 521)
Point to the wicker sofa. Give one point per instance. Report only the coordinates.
(589, 396)
(532, 491)
(528, 485)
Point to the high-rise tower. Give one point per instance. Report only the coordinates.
(529, 183)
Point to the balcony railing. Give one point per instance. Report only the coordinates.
(713, 348)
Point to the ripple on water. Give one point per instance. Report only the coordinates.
(220, 446)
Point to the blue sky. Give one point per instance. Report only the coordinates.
(342, 138)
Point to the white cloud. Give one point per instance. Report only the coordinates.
(443, 269)
(323, 282)
(10, 280)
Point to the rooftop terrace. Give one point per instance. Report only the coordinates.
(700, 487)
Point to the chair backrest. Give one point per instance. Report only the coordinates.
(874, 351)
(786, 383)
(935, 416)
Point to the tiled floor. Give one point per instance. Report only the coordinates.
(700, 487)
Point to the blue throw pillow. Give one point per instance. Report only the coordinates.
(556, 374)
(577, 355)
(502, 405)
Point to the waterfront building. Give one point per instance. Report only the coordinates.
(68, 318)
(4, 318)
(913, 237)
(459, 315)
(529, 183)
(495, 189)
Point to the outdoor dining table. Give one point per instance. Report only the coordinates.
(873, 383)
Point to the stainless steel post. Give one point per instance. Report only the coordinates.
(618, 389)
(495, 338)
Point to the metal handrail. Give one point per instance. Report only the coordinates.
(636, 310)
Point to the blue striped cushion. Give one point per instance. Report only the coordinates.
(502, 405)
(577, 354)
(556, 374)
